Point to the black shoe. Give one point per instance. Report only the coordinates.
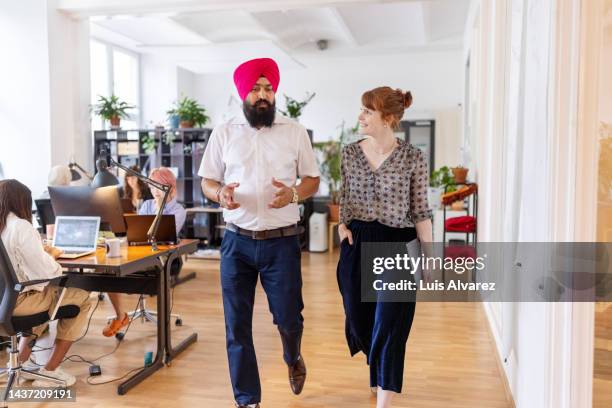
(297, 376)
(246, 406)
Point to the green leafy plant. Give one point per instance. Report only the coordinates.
(294, 107)
(147, 143)
(189, 110)
(330, 158)
(168, 138)
(441, 178)
(112, 107)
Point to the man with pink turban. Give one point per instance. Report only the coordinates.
(251, 167)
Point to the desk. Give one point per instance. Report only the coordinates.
(119, 275)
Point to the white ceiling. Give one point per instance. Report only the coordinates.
(208, 36)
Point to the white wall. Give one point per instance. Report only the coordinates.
(159, 88)
(24, 95)
(69, 73)
(185, 83)
(510, 46)
(162, 83)
(43, 107)
(434, 78)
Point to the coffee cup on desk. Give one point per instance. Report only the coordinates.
(113, 247)
(50, 230)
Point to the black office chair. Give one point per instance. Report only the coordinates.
(44, 213)
(12, 326)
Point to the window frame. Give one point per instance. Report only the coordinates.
(110, 69)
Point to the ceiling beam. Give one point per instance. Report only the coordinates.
(89, 8)
(344, 28)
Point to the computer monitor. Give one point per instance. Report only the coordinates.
(44, 213)
(102, 202)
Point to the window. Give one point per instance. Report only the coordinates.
(115, 71)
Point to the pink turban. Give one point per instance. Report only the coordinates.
(247, 74)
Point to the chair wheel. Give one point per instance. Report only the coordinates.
(178, 322)
(100, 296)
(119, 336)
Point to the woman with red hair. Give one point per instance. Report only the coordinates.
(383, 199)
(165, 176)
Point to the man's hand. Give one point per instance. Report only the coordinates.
(283, 196)
(226, 196)
(54, 252)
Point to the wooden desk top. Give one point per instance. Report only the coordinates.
(133, 258)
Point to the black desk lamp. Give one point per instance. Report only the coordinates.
(105, 178)
(75, 174)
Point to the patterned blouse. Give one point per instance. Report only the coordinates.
(395, 194)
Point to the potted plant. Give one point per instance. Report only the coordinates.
(460, 173)
(439, 180)
(190, 113)
(294, 107)
(330, 157)
(112, 109)
(147, 143)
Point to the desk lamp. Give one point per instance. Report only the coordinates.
(105, 178)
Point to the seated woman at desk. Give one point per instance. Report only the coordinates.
(135, 189)
(165, 176)
(32, 261)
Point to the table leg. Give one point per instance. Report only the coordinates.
(158, 363)
(172, 352)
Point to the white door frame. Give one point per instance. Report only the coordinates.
(577, 42)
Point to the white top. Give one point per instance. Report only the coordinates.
(25, 249)
(237, 152)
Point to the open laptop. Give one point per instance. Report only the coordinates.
(76, 236)
(138, 226)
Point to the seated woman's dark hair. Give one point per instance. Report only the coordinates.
(15, 198)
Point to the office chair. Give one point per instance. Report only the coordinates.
(44, 213)
(12, 326)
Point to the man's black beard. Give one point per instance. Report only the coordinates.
(261, 114)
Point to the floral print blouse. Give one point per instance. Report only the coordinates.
(395, 194)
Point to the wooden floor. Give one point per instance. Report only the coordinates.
(450, 361)
(602, 372)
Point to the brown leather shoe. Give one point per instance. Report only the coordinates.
(297, 376)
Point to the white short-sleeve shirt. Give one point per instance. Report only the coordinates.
(237, 152)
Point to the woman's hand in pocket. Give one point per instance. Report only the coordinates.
(344, 232)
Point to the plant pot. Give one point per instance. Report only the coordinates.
(334, 212)
(186, 124)
(174, 121)
(460, 174)
(115, 122)
(458, 205)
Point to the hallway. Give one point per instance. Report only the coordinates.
(450, 361)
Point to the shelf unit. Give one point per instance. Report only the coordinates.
(471, 209)
(183, 154)
(469, 248)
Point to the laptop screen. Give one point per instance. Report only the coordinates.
(76, 232)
